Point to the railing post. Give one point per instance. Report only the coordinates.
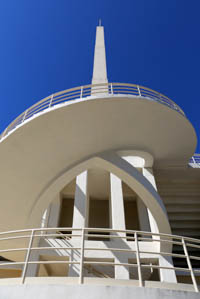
(51, 100)
(81, 95)
(193, 159)
(24, 117)
(82, 256)
(27, 256)
(190, 266)
(139, 92)
(111, 88)
(4, 132)
(138, 260)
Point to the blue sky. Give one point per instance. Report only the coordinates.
(47, 46)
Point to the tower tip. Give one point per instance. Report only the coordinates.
(99, 22)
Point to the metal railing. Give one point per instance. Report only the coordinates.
(195, 161)
(91, 90)
(128, 243)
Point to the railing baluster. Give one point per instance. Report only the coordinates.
(190, 266)
(24, 117)
(4, 132)
(82, 256)
(138, 88)
(51, 100)
(27, 255)
(81, 95)
(111, 88)
(138, 260)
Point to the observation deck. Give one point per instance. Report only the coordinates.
(85, 92)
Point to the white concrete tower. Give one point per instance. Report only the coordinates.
(96, 191)
(99, 69)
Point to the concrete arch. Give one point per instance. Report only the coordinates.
(111, 162)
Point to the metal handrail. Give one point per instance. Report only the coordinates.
(82, 92)
(85, 245)
(195, 159)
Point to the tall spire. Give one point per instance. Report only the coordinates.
(99, 68)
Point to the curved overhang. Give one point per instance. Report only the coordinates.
(40, 148)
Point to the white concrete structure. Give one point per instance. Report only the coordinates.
(98, 181)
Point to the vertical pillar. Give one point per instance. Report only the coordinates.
(148, 174)
(143, 216)
(118, 223)
(79, 216)
(54, 212)
(80, 201)
(165, 261)
(143, 212)
(117, 203)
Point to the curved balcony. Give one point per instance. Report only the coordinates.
(97, 254)
(91, 90)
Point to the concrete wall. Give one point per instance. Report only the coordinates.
(63, 291)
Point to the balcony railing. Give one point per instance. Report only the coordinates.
(195, 161)
(82, 92)
(84, 243)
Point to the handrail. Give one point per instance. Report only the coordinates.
(82, 92)
(195, 159)
(128, 244)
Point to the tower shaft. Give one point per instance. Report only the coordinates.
(99, 68)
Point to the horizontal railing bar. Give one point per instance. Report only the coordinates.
(126, 92)
(164, 253)
(66, 96)
(108, 264)
(109, 230)
(55, 248)
(109, 249)
(53, 262)
(194, 257)
(13, 249)
(12, 263)
(36, 110)
(108, 236)
(134, 88)
(65, 236)
(76, 92)
(193, 245)
(46, 102)
(15, 237)
(166, 268)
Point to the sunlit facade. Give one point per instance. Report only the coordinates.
(99, 195)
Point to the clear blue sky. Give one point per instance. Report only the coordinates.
(47, 46)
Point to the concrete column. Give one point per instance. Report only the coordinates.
(118, 223)
(117, 203)
(143, 213)
(148, 174)
(143, 216)
(54, 212)
(165, 261)
(79, 216)
(80, 201)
